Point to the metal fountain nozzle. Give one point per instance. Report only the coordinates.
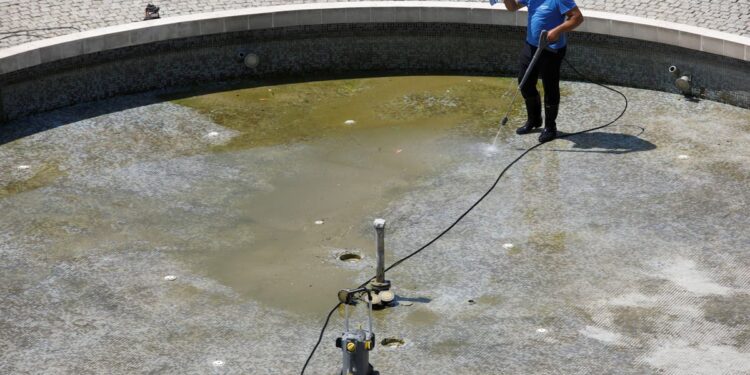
(380, 283)
(683, 81)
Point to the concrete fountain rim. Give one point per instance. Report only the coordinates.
(45, 51)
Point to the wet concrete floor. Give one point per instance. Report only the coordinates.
(621, 251)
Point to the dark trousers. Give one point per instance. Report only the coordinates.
(549, 67)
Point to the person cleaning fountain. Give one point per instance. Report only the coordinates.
(558, 17)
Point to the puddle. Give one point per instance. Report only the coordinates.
(553, 242)
(357, 146)
(422, 317)
(43, 176)
(301, 112)
(260, 197)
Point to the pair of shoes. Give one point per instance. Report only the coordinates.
(533, 114)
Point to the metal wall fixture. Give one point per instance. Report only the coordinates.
(683, 82)
(251, 60)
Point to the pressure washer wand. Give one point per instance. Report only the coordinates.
(543, 42)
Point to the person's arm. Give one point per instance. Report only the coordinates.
(513, 5)
(574, 18)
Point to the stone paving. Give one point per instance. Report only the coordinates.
(25, 21)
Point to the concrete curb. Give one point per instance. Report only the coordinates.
(92, 41)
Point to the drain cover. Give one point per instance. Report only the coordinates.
(350, 257)
(392, 342)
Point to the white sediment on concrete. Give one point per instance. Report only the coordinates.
(683, 273)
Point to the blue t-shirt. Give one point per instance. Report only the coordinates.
(546, 15)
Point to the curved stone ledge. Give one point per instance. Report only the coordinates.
(355, 39)
(92, 41)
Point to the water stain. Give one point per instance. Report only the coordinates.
(729, 310)
(422, 317)
(733, 170)
(651, 286)
(515, 250)
(743, 338)
(582, 313)
(553, 242)
(43, 176)
(451, 347)
(637, 321)
(489, 299)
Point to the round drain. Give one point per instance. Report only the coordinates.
(350, 257)
(392, 342)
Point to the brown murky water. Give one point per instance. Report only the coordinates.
(367, 141)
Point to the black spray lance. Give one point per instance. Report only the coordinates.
(543, 42)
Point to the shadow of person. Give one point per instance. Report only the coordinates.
(605, 143)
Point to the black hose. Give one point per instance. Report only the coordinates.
(476, 203)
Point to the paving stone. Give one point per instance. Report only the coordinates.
(21, 22)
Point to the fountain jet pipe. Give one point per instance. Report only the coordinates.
(380, 282)
(380, 246)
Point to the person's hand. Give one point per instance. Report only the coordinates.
(553, 35)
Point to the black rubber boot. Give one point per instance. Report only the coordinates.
(550, 126)
(533, 115)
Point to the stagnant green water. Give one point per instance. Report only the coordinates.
(367, 141)
(267, 116)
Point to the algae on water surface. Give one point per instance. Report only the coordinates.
(364, 143)
(272, 115)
